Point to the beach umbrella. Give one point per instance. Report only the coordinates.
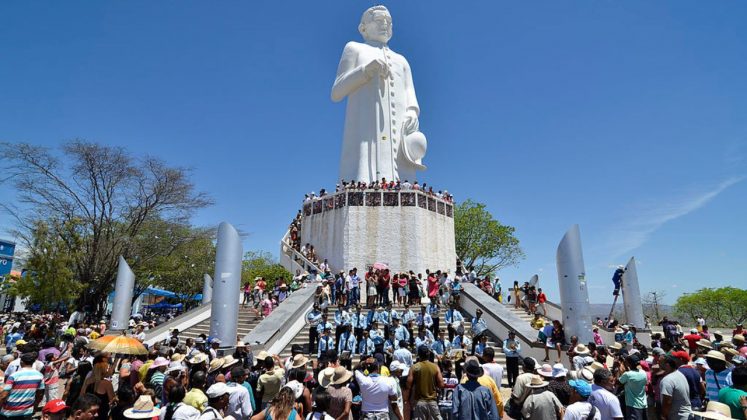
(101, 342)
(125, 345)
(380, 266)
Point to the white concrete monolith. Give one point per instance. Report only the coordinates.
(574, 294)
(632, 296)
(123, 290)
(226, 285)
(207, 289)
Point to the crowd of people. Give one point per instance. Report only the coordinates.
(381, 185)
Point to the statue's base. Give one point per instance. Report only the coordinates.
(406, 230)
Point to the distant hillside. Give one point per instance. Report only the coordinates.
(602, 310)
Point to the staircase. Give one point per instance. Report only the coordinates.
(247, 322)
(302, 338)
(293, 260)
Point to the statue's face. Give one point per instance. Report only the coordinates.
(378, 28)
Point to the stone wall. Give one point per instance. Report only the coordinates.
(406, 230)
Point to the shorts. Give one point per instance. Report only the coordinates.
(426, 410)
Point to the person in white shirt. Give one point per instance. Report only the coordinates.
(239, 401)
(492, 369)
(378, 396)
(580, 408)
(605, 401)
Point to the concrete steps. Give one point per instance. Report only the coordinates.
(246, 323)
(302, 338)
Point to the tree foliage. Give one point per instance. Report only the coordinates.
(49, 280)
(105, 195)
(482, 241)
(721, 307)
(262, 264)
(172, 256)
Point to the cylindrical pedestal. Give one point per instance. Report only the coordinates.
(226, 285)
(574, 295)
(123, 290)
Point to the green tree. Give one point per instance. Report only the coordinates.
(262, 264)
(483, 242)
(172, 256)
(720, 307)
(105, 194)
(50, 279)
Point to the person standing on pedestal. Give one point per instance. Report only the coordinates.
(381, 137)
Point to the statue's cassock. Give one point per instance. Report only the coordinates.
(375, 115)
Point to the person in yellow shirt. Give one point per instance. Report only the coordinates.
(537, 322)
(488, 383)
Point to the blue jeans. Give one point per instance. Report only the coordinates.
(355, 295)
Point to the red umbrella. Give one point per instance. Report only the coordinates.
(380, 266)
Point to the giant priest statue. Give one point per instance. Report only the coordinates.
(381, 137)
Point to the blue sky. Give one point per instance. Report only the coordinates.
(628, 118)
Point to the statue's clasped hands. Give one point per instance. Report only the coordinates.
(375, 68)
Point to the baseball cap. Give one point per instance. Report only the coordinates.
(582, 387)
(54, 406)
(217, 389)
(681, 355)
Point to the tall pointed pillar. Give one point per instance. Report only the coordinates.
(123, 290)
(207, 289)
(226, 285)
(632, 296)
(574, 294)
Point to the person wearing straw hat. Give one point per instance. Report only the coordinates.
(143, 409)
(582, 357)
(341, 396)
(717, 375)
(471, 400)
(541, 404)
(715, 410)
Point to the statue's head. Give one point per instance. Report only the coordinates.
(376, 24)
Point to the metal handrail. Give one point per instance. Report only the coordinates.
(294, 253)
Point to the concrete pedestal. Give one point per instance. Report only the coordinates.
(406, 230)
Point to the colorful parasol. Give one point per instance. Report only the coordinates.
(380, 266)
(125, 345)
(101, 342)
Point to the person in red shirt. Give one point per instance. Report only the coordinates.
(261, 284)
(542, 299)
(692, 340)
(432, 285)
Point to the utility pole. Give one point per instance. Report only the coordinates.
(656, 306)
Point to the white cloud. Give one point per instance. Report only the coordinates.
(651, 217)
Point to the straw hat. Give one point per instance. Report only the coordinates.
(581, 350)
(229, 361)
(325, 377)
(198, 358)
(594, 366)
(299, 361)
(142, 409)
(177, 357)
(730, 351)
(715, 410)
(545, 370)
(261, 357)
(713, 354)
(537, 382)
(738, 337)
(174, 366)
(341, 375)
(215, 364)
(704, 343)
(585, 374)
(615, 346)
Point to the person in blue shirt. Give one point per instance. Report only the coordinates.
(408, 315)
(435, 312)
(453, 320)
(325, 342)
(359, 323)
(400, 332)
(481, 345)
(424, 338)
(441, 346)
(342, 318)
(461, 341)
(424, 319)
(314, 318)
(347, 341)
(512, 350)
(479, 327)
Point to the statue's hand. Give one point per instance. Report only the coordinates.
(411, 122)
(376, 68)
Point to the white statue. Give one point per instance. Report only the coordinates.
(381, 138)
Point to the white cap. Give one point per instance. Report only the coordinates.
(217, 389)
